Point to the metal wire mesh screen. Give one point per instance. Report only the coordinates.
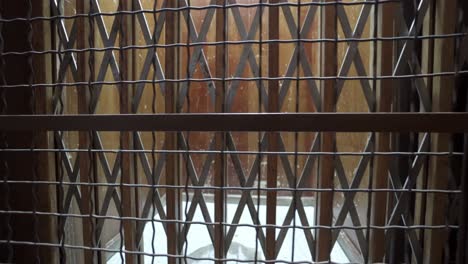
(235, 131)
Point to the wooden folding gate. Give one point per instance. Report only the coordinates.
(115, 112)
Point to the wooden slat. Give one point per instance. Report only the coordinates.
(82, 7)
(427, 64)
(326, 173)
(384, 104)
(273, 106)
(129, 201)
(172, 201)
(443, 89)
(220, 137)
(45, 161)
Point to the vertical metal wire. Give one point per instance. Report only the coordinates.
(4, 144)
(153, 135)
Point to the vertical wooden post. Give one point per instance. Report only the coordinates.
(326, 167)
(129, 202)
(273, 137)
(45, 161)
(172, 201)
(82, 7)
(220, 137)
(384, 104)
(427, 64)
(17, 70)
(443, 88)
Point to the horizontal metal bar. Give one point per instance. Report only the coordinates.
(449, 122)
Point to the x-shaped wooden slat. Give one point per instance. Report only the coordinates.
(111, 193)
(152, 57)
(349, 206)
(246, 197)
(198, 56)
(408, 55)
(402, 200)
(407, 46)
(68, 60)
(297, 204)
(352, 53)
(108, 60)
(304, 63)
(247, 55)
(198, 198)
(153, 175)
(72, 172)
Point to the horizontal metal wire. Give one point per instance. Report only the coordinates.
(189, 8)
(245, 79)
(241, 152)
(230, 42)
(234, 188)
(280, 227)
(141, 253)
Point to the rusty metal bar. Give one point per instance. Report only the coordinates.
(172, 204)
(326, 174)
(448, 122)
(220, 137)
(384, 104)
(129, 203)
(84, 74)
(273, 137)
